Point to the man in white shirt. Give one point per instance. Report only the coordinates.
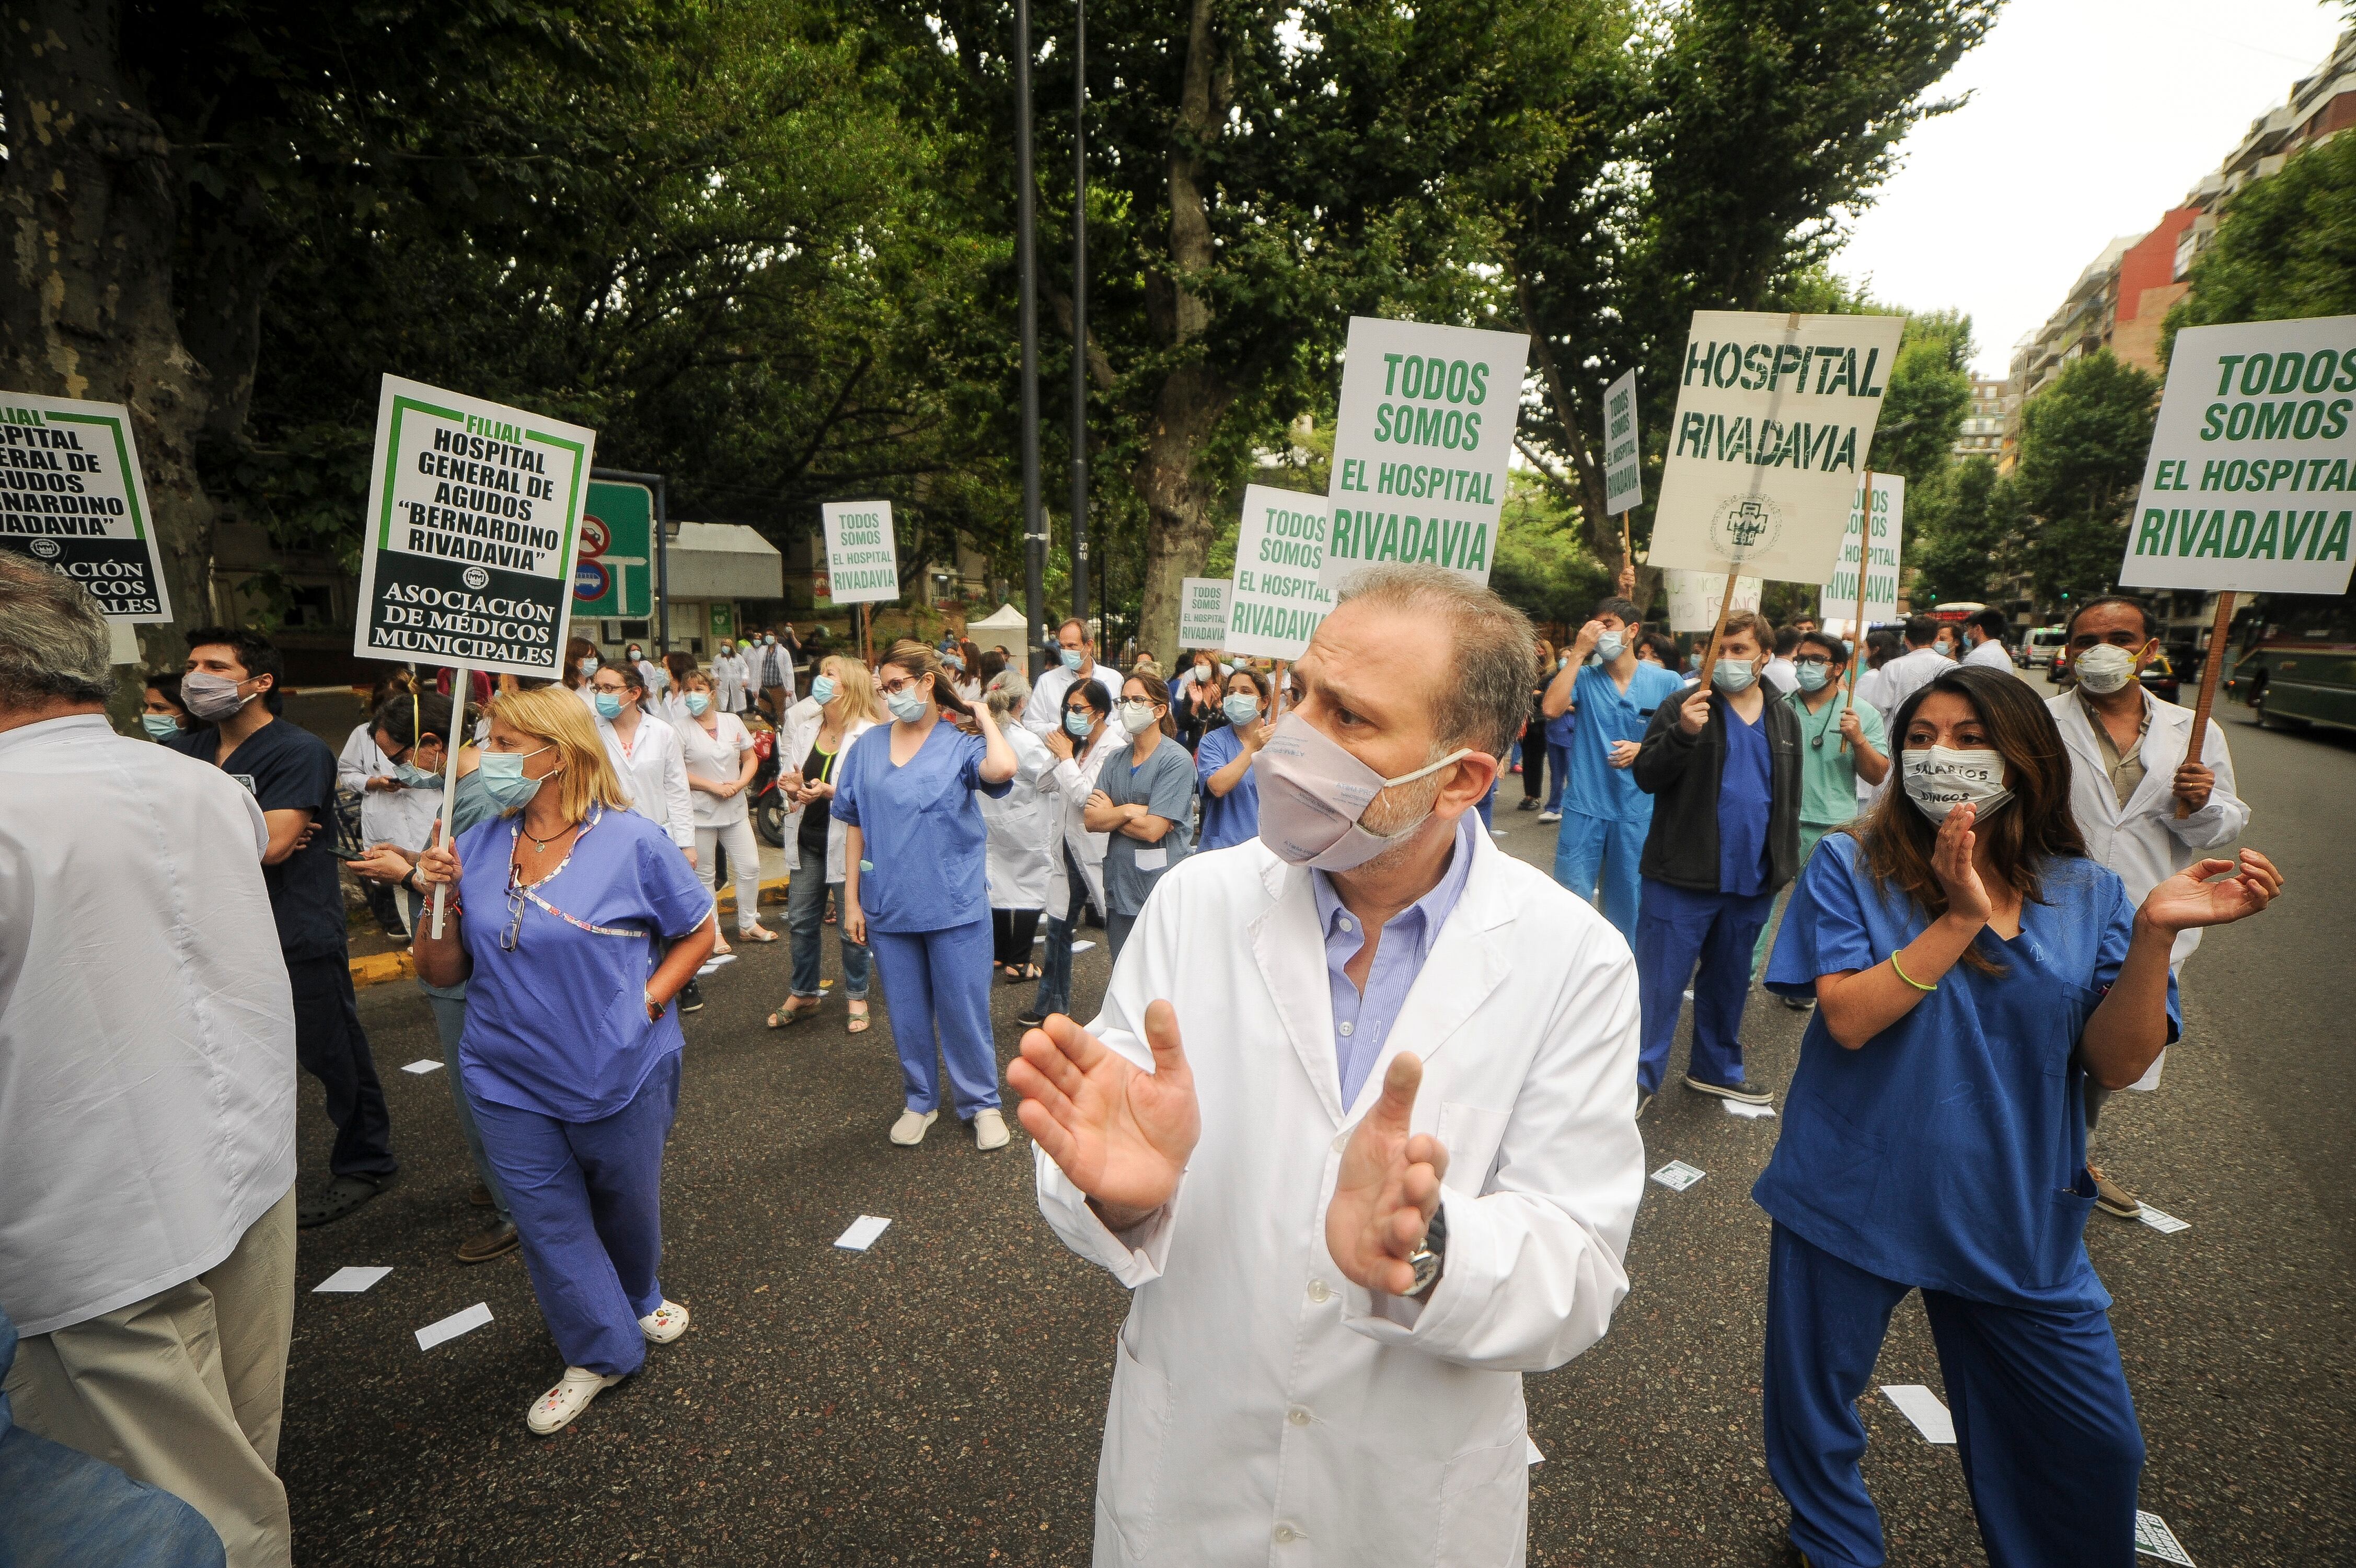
(147, 1250)
(1780, 671)
(1394, 1163)
(1985, 632)
(1075, 661)
(772, 666)
(1910, 670)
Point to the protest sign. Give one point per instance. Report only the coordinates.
(2247, 486)
(1693, 597)
(1624, 468)
(1774, 424)
(1838, 599)
(863, 564)
(1419, 445)
(467, 546)
(72, 497)
(1202, 612)
(1276, 600)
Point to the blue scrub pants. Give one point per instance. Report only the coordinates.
(1674, 928)
(2043, 1421)
(940, 982)
(1557, 774)
(1591, 849)
(587, 1198)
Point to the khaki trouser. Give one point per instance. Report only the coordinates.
(184, 1391)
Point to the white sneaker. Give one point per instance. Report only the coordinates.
(989, 1130)
(554, 1411)
(910, 1129)
(1549, 816)
(664, 1324)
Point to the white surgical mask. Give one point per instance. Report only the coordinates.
(1312, 792)
(2104, 668)
(1136, 718)
(1939, 779)
(1611, 645)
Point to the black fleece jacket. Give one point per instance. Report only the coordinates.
(1682, 774)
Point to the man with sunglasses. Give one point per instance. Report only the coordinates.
(1842, 744)
(2131, 767)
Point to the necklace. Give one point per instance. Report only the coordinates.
(542, 844)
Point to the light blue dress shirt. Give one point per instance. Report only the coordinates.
(1360, 1022)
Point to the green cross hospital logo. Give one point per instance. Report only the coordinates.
(1745, 526)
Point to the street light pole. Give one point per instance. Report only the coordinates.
(1080, 310)
(1026, 268)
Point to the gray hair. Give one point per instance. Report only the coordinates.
(1004, 700)
(1496, 651)
(54, 644)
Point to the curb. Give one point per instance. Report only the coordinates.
(379, 969)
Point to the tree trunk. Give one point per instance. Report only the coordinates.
(1193, 398)
(89, 210)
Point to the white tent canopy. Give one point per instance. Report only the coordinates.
(1006, 618)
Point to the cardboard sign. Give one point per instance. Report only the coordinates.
(2247, 484)
(1694, 596)
(473, 518)
(72, 497)
(1277, 600)
(863, 564)
(1838, 598)
(1774, 426)
(1419, 445)
(1202, 612)
(1623, 466)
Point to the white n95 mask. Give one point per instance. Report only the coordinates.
(2104, 668)
(1939, 779)
(1312, 792)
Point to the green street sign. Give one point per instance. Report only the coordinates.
(613, 575)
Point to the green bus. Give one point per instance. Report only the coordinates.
(2295, 660)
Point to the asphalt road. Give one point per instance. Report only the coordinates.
(940, 1398)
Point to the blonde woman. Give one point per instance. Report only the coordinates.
(570, 1054)
(842, 707)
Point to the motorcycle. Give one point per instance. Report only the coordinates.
(770, 806)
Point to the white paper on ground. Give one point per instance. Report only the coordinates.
(1038, 940)
(1530, 1450)
(2165, 1223)
(2154, 1539)
(1082, 947)
(423, 1065)
(350, 1277)
(458, 1323)
(862, 1233)
(1737, 1108)
(1921, 1406)
(716, 960)
(1677, 1176)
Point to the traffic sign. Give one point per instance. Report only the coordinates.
(591, 582)
(617, 539)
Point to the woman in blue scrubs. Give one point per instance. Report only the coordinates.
(1223, 762)
(1972, 970)
(915, 888)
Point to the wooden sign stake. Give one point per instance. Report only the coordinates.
(2210, 671)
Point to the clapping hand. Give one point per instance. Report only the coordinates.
(1122, 1134)
(1387, 1190)
(1059, 743)
(1951, 862)
(2190, 899)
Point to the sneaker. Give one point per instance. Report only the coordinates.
(554, 1412)
(664, 1324)
(1549, 816)
(989, 1130)
(1747, 1093)
(1529, 802)
(1799, 1004)
(691, 997)
(1032, 1019)
(2113, 1199)
(910, 1129)
(496, 1240)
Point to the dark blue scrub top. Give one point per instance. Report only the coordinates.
(1745, 792)
(1950, 1152)
(1598, 789)
(922, 858)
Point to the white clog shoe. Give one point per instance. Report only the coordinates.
(554, 1412)
(664, 1324)
(989, 1130)
(910, 1129)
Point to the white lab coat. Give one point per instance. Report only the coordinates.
(654, 771)
(1989, 655)
(799, 728)
(1064, 791)
(1025, 829)
(1043, 713)
(1901, 678)
(404, 816)
(1264, 1409)
(728, 674)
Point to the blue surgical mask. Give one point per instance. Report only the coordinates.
(1240, 708)
(907, 705)
(587, 667)
(1812, 677)
(609, 704)
(697, 702)
(1074, 658)
(822, 690)
(1077, 723)
(1611, 645)
(417, 778)
(1733, 675)
(159, 727)
(504, 781)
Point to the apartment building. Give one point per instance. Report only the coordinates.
(1982, 435)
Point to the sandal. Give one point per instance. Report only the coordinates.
(757, 934)
(859, 1019)
(1029, 972)
(787, 1016)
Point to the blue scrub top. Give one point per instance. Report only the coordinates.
(924, 841)
(1745, 794)
(1232, 818)
(1950, 1152)
(558, 1024)
(1598, 789)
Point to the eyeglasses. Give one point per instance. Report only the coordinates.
(894, 688)
(515, 911)
(1817, 660)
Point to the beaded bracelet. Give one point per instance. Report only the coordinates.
(1909, 979)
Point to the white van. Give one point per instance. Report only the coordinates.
(2041, 647)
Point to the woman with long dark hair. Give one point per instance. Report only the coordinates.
(1972, 971)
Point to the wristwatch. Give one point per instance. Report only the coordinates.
(1425, 1260)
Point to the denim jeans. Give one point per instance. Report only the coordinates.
(805, 908)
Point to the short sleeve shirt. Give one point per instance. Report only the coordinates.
(924, 852)
(1595, 788)
(288, 769)
(1164, 785)
(1949, 1151)
(1231, 818)
(1827, 773)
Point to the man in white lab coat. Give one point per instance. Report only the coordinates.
(2130, 768)
(1358, 1184)
(1917, 666)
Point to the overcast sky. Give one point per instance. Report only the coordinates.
(2088, 119)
